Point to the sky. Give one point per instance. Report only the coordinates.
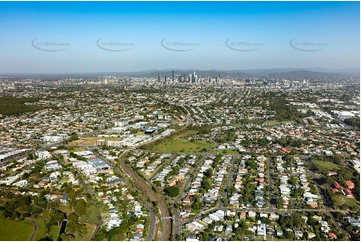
(86, 37)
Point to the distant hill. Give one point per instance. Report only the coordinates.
(307, 73)
(249, 73)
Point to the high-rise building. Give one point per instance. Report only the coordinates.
(158, 77)
(194, 77)
(173, 76)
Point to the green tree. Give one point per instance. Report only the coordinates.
(289, 235)
(172, 191)
(208, 173)
(355, 122)
(80, 207)
(56, 218)
(206, 184)
(252, 164)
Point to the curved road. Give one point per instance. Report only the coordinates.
(153, 196)
(35, 228)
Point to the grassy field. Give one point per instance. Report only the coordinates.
(13, 230)
(179, 143)
(91, 215)
(227, 152)
(65, 209)
(84, 141)
(274, 122)
(76, 149)
(326, 165)
(340, 200)
(90, 230)
(184, 146)
(188, 133)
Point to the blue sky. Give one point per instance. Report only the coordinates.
(194, 34)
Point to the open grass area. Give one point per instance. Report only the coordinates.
(42, 230)
(91, 215)
(227, 152)
(84, 141)
(275, 122)
(183, 146)
(64, 180)
(65, 209)
(326, 165)
(76, 149)
(90, 230)
(339, 200)
(13, 230)
(188, 133)
(179, 143)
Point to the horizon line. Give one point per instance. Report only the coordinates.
(312, 69)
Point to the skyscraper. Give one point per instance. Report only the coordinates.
(194, 78)
(172, 76)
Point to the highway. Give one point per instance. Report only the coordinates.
(147, 190)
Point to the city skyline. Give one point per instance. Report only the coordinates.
(89, 37)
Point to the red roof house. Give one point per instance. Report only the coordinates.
(332, 173)
(332, 235)
(334, 190)
(347, 192)
(350, 184)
